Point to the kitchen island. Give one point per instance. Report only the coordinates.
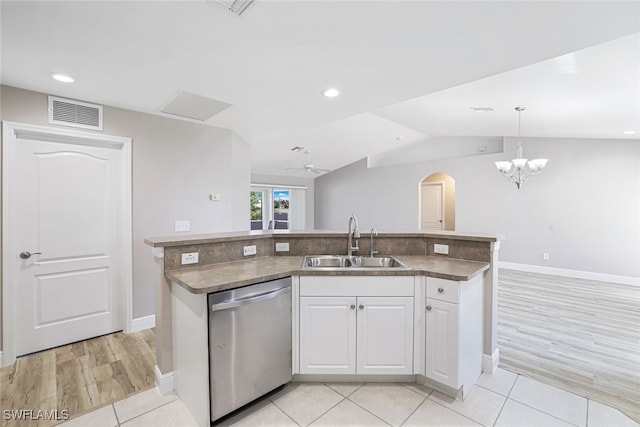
(459, 286)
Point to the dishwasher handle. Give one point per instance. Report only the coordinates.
(251, 300)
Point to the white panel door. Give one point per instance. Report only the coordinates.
(442, 342)
(385, 335)
(432, 207)
(67, 199)
(327, 335)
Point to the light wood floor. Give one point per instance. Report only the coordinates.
(78, 377)
(579, 335)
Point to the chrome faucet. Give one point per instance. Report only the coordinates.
(373, 230)
(354, 234)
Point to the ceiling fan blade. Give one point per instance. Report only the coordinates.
(315, 170)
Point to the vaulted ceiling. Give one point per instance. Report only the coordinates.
(407, 70)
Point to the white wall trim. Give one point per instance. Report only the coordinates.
(164, 382)
(579, 274)
(490, 362)
(1, 359)
(142, 323)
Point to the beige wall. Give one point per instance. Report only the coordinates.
(176, 165)
(449, 198)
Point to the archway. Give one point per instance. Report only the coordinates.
(437, 207)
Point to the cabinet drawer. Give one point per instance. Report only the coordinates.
(443, 290)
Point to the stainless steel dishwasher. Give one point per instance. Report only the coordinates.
(249, 343)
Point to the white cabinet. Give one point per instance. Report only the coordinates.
(356, 325)
(327, 335)
(453, 324)
(385, 335)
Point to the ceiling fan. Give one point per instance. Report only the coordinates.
(308, 166)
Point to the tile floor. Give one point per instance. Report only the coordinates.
(503, 399)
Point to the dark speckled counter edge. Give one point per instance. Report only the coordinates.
(451, 269)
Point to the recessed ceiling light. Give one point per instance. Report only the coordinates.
(62, 78)
(331, 92)
(297, 149)
(629, 132)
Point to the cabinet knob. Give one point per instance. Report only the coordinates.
(440, 290)
(361, 306)
(353, 306)
(428, 308)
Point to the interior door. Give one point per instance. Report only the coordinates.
(432, 207)
(66, 203)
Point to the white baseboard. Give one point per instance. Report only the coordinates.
(142, 323)
(164, 382)
(588, 275)
(490, 362)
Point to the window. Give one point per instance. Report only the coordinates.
(277, 208)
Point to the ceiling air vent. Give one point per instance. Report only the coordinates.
(68, 112)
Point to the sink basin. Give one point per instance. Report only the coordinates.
(344, 262)
(327, 261)
(376, 262)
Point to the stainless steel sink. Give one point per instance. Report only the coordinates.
(376, 262)
(344, 262)
(326, 261)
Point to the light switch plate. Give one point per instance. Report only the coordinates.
(190, 258)
(249, 250)
(282, 247)
(183, 225)
(441, 249)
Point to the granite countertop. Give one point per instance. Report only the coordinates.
(234, 274)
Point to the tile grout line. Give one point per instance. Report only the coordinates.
(281, 410)
(540, 410)
(366, 410)
(400, 384)
(414, 411)
(115, 413)
(506, 399)
(145, 413)
(454, 411)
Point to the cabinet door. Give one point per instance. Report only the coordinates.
(385, 335)
(327, 335)
(442, 342)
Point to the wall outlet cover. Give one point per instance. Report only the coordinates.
(282, 247)
(182, 225)
(441, 249)
(249, 250)
(190, 258)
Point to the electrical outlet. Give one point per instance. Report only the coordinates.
(249, 250)
(282, 247)
(182, 226)
(215, 197)
(190, 258)
(545, 256)
(441, 249)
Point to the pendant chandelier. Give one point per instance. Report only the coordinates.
(520, 169)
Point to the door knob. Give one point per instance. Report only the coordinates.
(361, 307)
(428, 308)
(353, 306)
(440, 290)
(27, 254)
